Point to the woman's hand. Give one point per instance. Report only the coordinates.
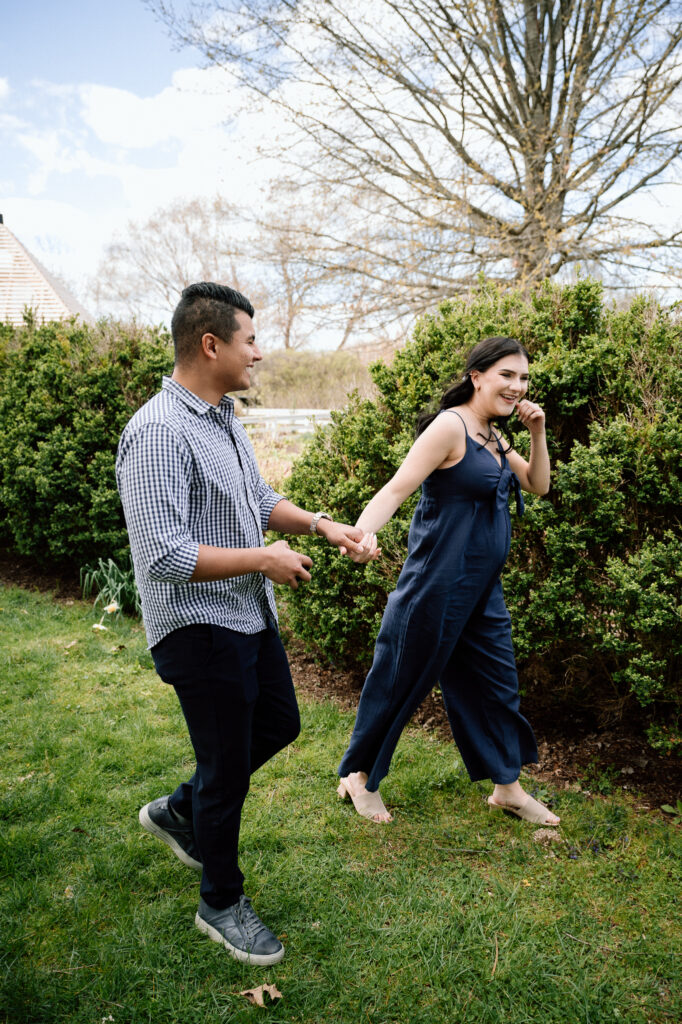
(534, 474)
(531, 415)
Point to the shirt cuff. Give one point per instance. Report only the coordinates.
(267, 503)
(177, 566)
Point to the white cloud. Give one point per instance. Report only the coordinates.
(80, 161)
(196, 101)
(4, 88)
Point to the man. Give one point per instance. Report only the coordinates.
(196, 509)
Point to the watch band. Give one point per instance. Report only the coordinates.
(316, 518)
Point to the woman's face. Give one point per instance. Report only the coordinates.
(501, 386)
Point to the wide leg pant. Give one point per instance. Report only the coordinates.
(238, 700)
(473, 660)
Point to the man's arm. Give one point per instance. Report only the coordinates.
(289, 518)
(276, 561)
(152, 472)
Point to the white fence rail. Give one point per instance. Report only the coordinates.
(292, 421)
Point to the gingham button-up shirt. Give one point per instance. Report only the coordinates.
(187, 475)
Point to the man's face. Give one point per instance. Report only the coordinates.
(236, 357)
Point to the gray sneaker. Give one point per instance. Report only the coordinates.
(177, 833)
(241, 931)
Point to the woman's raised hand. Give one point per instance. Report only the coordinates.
(531, 415)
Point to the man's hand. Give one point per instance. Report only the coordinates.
(283, 565)
(348, 539)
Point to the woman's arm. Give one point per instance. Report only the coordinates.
(444, 440)
(534, 474)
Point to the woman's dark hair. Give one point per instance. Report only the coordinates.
(481, 357)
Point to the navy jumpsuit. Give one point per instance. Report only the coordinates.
(447, 622)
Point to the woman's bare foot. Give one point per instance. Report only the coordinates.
(367, 803)
(513, 798)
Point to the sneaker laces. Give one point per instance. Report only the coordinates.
(249, 919)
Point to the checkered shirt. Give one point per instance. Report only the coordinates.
(187, 475)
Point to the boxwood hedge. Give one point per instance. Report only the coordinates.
(66, 391)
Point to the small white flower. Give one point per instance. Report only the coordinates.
(98, 626)
(111, 608)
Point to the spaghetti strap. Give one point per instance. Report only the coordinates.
(460, 417)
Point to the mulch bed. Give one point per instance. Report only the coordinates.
(574, 752)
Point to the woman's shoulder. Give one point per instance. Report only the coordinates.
(454, 420)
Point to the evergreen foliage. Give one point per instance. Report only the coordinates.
(593, 581)
(66, 392)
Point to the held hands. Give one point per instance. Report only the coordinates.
(282, 564)
(369, 551)
(348, 539)
(531, 415)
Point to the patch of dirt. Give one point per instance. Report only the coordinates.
(29, 573)
(574, 751)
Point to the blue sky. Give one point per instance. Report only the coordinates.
(103, 121)
(119, 42)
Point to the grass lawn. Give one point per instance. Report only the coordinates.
(452, 914)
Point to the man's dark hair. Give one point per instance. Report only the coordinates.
(205, 308)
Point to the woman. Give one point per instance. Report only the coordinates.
(446, 621)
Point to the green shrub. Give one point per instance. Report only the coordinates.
(593, 581)
(66, 392)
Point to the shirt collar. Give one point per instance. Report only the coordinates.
(224, 409)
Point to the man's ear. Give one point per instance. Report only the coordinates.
(208, 345)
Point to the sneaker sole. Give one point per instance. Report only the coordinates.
(166, 838)
(258, 959)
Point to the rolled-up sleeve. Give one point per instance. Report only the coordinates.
(267, 499)
(154, 471)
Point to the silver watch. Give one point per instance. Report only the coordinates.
(316, 518)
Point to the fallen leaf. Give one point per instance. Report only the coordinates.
(69, 646)
(68, 892)
(545, 836)
(255, 995)
(25, 778)
(526, 882)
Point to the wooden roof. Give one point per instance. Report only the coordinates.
(24, 282)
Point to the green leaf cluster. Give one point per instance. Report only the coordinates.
(67, 390)
(593, 581)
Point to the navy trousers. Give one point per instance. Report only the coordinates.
(238, 700)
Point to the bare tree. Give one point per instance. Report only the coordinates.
(269, 256)
(467, 136)
(148, 264)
